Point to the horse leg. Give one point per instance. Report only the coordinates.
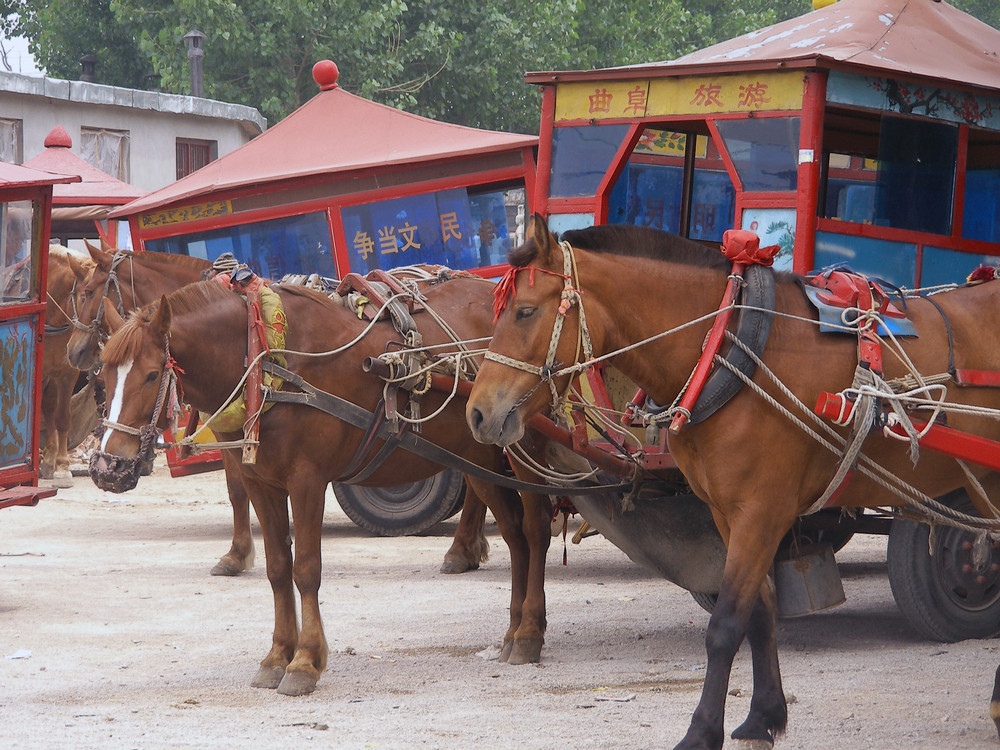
(995, 701)
(271, 506)
(62, 421)
(47, 464)
(241, 554)
(505, 505)
(751, 546)
(470, 547)
(530, 634)
(309, 661)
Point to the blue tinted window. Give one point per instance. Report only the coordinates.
(650, 195)
(581, 157)
(764, 151)
(981, 218)
(292, 244)
(916, 174)
(457, 228)
(941, 266)
(895, 262)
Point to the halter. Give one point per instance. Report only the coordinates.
(94, 329)
(569, 297)
(119, 474)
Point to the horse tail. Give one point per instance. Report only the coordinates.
(995, 701)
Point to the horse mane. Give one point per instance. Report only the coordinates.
(170, 259)
(125, 344)
(630, 241)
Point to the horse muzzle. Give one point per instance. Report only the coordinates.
(114, 473)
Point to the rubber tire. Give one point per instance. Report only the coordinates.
(406, 509)
(930, 590)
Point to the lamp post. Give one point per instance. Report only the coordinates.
(195, 53)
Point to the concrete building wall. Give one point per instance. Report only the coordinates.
(154, 120)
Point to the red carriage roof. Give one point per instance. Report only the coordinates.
(17, 176)
(93, 185)
(334, 132)
(922, 38)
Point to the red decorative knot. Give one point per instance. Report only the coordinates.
(58, 137)
(326, 73)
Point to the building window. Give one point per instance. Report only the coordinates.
(192, 155)
(11, 144)
(108, 150)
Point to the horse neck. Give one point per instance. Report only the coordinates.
(631, 299)
(143, 282)
(210, 345)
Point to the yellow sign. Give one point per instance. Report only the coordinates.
(185, 213)
(682, 95)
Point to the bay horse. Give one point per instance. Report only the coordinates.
(67, 271)
(754, 468)
(302, 449)
(133, 280)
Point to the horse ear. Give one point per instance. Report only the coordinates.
(81, 269)
(108, 247)
(111, 316)
(542, 236)
(101, 258)
(160, 324)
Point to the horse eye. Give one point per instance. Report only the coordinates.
(524, 312)
(151, 378)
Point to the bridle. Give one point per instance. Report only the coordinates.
(117, 473)
(570, 296)
(95, 329)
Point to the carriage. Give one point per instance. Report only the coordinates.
(835, 137)
(25, 210)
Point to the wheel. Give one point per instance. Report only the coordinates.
(705, 601)
(406, 509)
(949, 593)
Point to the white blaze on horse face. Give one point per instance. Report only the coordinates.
(116, 403)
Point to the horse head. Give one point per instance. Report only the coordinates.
(538, 335)
(89, 328)
(136, 374)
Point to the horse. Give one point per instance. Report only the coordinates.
(67, 270)
(302, 449)
(752, 466)
(137, 279)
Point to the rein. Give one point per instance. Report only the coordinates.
(94, 329)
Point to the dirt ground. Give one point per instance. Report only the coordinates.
(113, 635)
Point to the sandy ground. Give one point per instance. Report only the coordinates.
(113, 635)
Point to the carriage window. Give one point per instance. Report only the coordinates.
(648, 192)
(293, 244)
(981, 217)
(764, 151)
(18, 255)
(581, 157)
(108, 150)
(916, 174)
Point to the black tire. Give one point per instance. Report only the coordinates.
(406, 509)
(705, 601)
(944, 594)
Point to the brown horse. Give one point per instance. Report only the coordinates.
(66, 271)
(302, 449)
(755, 469)
(137, 279)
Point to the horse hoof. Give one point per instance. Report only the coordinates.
(526, 651)
(454, 565)
(297, 683)
(62, 479)
(226, 568)
(754, 744)
(268, 677)
(45, 472)
(505, 651)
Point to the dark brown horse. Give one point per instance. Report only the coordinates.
(137, 279)
(303, 449)
(66, 272)
(755, 468)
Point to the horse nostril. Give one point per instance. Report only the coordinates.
(475, 418)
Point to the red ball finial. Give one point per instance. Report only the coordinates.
(326, 73)
(58, 137)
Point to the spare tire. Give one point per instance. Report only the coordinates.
(406, 509)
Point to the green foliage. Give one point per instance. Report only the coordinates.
(447, 59)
